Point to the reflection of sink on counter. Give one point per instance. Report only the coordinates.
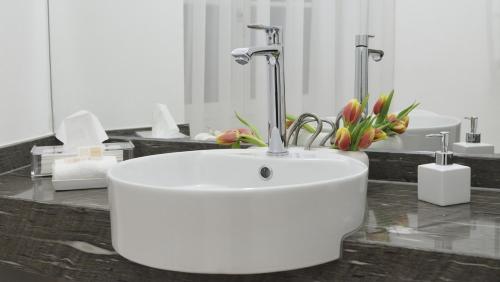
(424, 122)
(421, 123)
(235, 211)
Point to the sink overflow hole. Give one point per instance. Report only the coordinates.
(266, 173)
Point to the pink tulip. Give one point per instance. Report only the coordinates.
(228, 137)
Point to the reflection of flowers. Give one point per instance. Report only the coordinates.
(398, 125)
(379, 135)
(395, 123)
(290, 119)
(359, 131)
(234, 137)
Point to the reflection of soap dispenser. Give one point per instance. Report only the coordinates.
(444, 183)
(472, 144)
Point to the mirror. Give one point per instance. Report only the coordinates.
(120, 60)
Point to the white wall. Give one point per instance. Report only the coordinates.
(116, 58)
(445, 59)
(25, 110)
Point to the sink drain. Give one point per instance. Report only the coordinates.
(266, 173)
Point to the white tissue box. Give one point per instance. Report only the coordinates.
(43, 157)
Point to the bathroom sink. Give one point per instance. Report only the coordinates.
(421, 123)
(235, 211)
(425, 122)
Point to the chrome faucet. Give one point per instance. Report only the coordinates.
(361, 76)
(275, 59)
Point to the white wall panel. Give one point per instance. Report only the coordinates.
(25, 110)
(116, 58)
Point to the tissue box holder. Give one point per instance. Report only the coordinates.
(44, 156)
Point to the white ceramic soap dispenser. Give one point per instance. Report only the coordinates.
(444, 183)
(472, 144)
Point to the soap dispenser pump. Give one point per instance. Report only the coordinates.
(444, 183)
(472, 144)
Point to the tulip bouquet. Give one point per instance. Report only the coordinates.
(359, 132)
(394, 123)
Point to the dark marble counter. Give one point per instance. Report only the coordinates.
(69, 232)
(396, 218)
(19, 185)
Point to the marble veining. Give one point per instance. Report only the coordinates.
(402, 239)
(397, 166)
(394, 215)
(397, 218)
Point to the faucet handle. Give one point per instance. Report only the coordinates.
(272, 32)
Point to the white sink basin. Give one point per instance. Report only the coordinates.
(424, 122)
(212, 211)
(421, 123)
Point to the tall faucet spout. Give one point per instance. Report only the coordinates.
(361, 72)
(244, 55)
(277, 113)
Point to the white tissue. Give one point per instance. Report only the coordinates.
(81, 129)
(76, 173)
(164, 125)
(211, 135)
(82, 169)
(204, 137)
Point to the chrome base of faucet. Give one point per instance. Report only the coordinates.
(278, 154)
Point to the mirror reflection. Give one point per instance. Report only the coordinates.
(144, 69)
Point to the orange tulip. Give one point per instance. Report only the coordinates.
(379, 135)
(377, 108)
(343, 139)
(406, 121)
(367, 138)
(352, 111)
(398, 126)
(392, 117)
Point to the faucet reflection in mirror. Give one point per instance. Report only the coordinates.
(361, 65)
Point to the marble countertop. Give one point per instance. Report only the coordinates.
(394, 215)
